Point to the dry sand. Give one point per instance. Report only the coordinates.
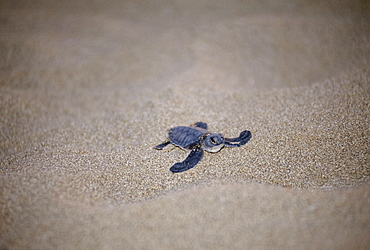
(87, 88)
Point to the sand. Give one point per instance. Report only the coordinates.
(87, 88)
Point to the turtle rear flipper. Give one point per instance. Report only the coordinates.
(161, 146)
(201, 125)
(193, 158)
(243, 138)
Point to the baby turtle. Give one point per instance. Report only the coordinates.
(197, 139)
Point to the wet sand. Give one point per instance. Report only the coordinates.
(88, 88)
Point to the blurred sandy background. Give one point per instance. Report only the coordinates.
(87, 88)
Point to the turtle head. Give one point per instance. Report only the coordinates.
(213, 142)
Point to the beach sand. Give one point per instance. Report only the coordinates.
(88, 88)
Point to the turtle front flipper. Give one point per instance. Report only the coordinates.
(161, 146)
(243, 138)
(201, 125)
(193, 158)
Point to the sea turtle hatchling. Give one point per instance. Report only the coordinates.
(197, 139)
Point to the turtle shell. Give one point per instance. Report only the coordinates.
(186, 137)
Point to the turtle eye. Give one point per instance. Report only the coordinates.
(213, 140)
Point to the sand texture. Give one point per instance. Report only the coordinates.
(88, 88)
